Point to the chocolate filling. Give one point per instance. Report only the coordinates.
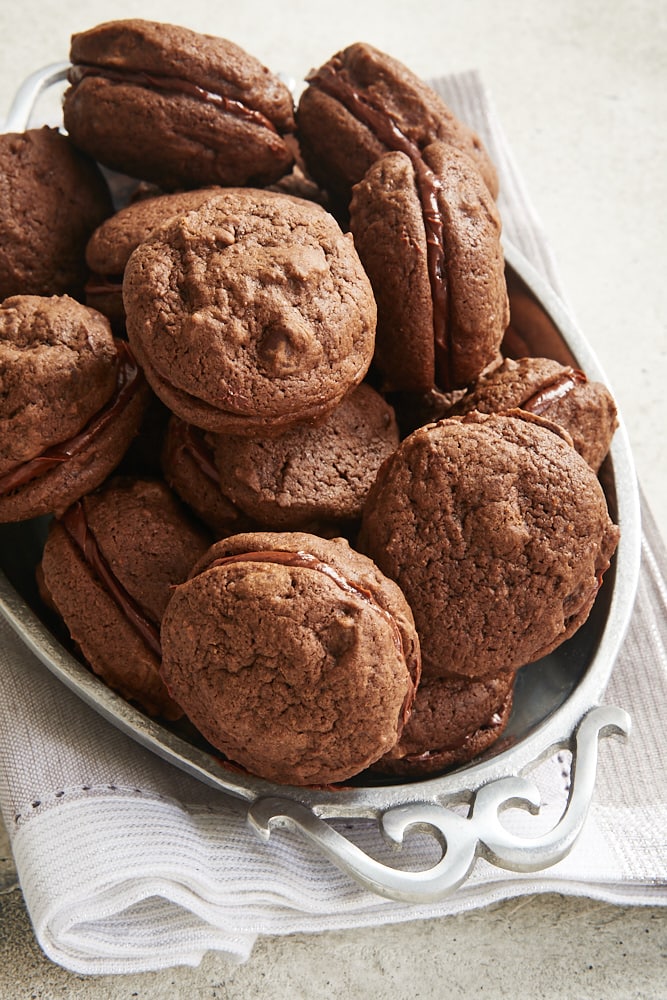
(129, 378)
(382, 125)
(173, 85)
(307, 561)
(194, 444)
(100, 284)
(554, 389)
(76, 525)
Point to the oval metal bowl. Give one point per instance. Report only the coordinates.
(557, 703)
(556, 707)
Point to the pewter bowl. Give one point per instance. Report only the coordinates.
(556, 705)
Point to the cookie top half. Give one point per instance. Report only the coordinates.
(108, 567)
(314, 473)
(563, 394)
(71, 401)
(453, 720)
(252, 313)
(57, 368)
(110, 246)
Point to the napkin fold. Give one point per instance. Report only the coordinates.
(127, 864)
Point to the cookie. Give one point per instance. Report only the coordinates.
(558, 392)
(453, 720)
(176, 107)
(188, 464)
(318, 472)
(428, 235)
(498, 533)
(52, 197)
(108, 566)
(292, 655)
(363, 103)
(108, 249)
(251, 314)
(71, 400)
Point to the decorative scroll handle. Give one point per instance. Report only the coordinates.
(461, 839)
(529, 855)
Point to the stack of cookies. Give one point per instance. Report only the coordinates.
(299, 495)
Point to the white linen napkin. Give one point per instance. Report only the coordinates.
(127, 864)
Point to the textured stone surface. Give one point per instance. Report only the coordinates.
(8, 876)
(537, 948)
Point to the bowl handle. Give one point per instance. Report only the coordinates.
(461, 839)
(26, 96)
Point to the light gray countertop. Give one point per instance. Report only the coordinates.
(581, 90)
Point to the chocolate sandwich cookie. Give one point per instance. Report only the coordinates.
(71, 400)
(428, 234)
(52, 197)
(108, 566)
(318, 472)
(109, 248)
(188, 464)
(173, 106)
(558, 392)
(293, 655)
(453, 720)
(498, 533)
(363, 103)
(251, 314)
